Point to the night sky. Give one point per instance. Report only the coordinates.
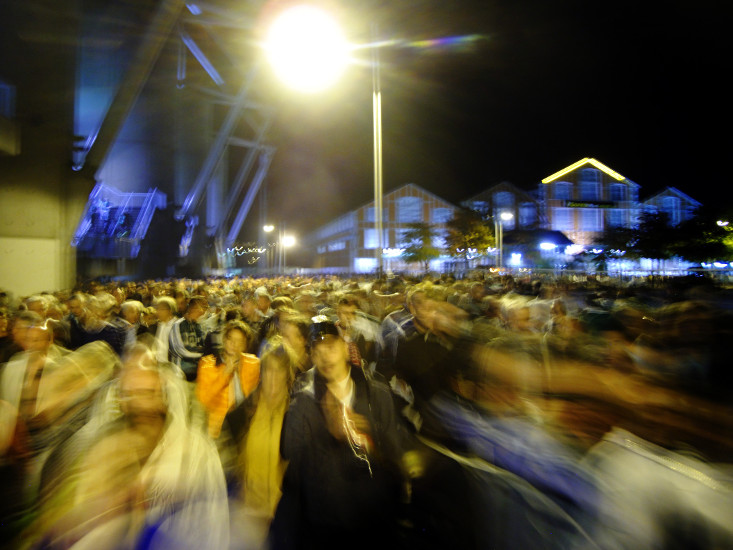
(637, 85)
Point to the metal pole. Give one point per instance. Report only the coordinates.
(496, 238)
(279, 250)
(501, 244)
(377, 115)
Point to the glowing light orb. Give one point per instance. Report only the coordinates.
(307, 49)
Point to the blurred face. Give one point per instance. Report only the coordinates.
(330, 356)
(477, 292)
(76, 308)
(521, 320)
(235, 342)
(263, 303)
(20, 331)
(141, 396)
(37, 307)
(131, 315)
(163, 313)
(196, 312)
(274, 378)
(248, 308)
(305, 305)
(37, 339)
(293, 337)
(346, 315)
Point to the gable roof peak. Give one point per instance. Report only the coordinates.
(582, 162)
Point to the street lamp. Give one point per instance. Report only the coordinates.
(268, 228)
(307, 49)
(499, 233)
(286, 241)
(308, 52)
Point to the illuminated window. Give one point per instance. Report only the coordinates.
(527, 214)
(589, 184)
(672, 206)
(370, 214)
(441, 215)
(370, 238)
(562, 219)
(503, 199)
(409, 209)
(590, 175)
(562, 190)
(365, 265)
(616, 217)
(591, 219)
(617, 192)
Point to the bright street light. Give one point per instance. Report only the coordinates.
(307, 49)
(288, 241)
(268, 228)
(308, 52)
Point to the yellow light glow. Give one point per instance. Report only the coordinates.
(288, 241)
(307, 49)
(593, 162)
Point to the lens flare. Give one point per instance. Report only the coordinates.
(307, 49)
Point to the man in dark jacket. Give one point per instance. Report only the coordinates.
(342, 441)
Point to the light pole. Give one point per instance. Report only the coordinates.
(269, 228)
(286, 241)
(377, 117)
(309, 53)
(499, 231)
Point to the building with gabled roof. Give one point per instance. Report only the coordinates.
(350, 242)
(505, 197)
(585, 198)
(677, 205)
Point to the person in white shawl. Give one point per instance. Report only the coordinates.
(148, 480)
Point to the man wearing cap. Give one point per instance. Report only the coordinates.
(343, 444)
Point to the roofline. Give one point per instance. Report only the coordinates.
(510, 184)
(582, 162)
(366, 204)
(676, 191)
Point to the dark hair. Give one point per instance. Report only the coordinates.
(197, 301)
(240, 326)
(348, 300)
(282, 302)
(295, 318)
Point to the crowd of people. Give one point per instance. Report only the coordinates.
(311, 412)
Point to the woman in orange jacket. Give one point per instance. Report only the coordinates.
(225, 380)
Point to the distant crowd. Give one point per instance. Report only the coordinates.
(311, 412)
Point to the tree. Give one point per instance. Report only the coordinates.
(703, 239)
(655, 236)
(468, 232)
(417, 242)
